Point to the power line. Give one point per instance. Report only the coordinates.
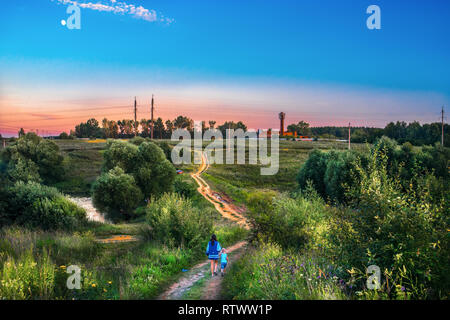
(152, 119)
(349, 136)
(135, 118)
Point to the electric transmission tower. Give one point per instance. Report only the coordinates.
(151, 123)
(135, 117)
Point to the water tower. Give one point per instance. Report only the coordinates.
(281, 116)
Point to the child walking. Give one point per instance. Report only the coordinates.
(212, 251)
(223, 261)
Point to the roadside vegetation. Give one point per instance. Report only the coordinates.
(317, 225)
(42, 233)
(386, 207)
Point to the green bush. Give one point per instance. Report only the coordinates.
(404, 233)
(36, 206)
(314, 170)
(291, 222)
(116, 194)
(166, 149)
(183, 188)
(32, 158)
(174, 221)
(152, 172)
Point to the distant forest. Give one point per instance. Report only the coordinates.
(414, 132)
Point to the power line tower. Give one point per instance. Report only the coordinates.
(151, 123)
(349, 136)
(135, 117)
(442, 125)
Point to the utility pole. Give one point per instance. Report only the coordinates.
(349, 137)
(442, 125)
(229, 137)
(135, 118)
(151, 123)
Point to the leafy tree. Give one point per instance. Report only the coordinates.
(147, 163)
(231, 125)
(314, 170)
(32, 158)
(169, 128)
(122, 154)
(182, 122)
(110, 128)
(63, 136)
(145, 125)
(89, 129)
(185, 189)
(155, 174)
(302, 128)
(159, 128)
(21, 132)
(116, 194)
(166, 149)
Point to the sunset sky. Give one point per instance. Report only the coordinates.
(223, 60)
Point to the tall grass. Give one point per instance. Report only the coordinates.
(269, 273)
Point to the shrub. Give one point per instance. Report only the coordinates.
(65, 136)
(185, 189)
(116, 194)
(175, 222)
(32, 158)
(166, 149)
(402, 233)
(37, 206)
(314, 170)
(298, 222)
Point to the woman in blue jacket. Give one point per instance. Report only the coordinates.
(212, 251)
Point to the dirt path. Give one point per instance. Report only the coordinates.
(202, 270)
(199, 271)
(91, 213)
(222, 206)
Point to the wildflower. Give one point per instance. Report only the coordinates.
(109, 282)
(94, 285)
(403, 288)
(62, 267)
(104, 290)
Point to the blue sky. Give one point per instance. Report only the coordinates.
(314, 57)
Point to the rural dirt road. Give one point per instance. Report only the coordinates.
(222, 206)
(201, 270)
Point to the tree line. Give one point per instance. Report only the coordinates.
(413, 132)
(128, 128)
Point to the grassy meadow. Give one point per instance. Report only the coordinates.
(302, 245)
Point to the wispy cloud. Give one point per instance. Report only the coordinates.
(122, 8)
